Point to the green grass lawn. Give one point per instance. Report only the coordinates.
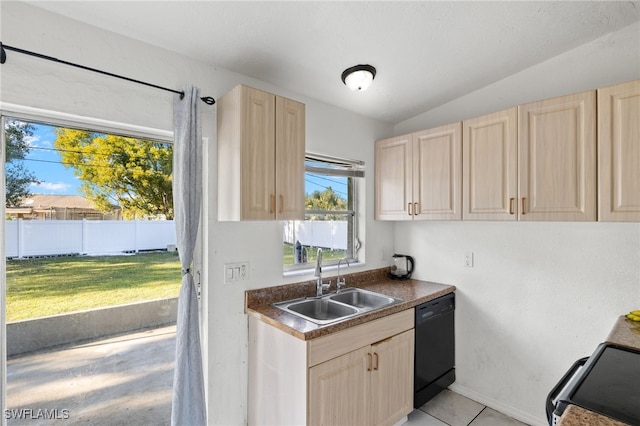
(49, 286)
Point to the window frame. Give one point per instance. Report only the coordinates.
(56, 118)
(336, 167)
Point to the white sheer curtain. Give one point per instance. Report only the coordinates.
(188, 405)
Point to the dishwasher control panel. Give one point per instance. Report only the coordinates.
(434, 308)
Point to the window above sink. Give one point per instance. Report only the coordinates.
(331, 214)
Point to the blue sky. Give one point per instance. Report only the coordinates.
(318, 182)
(44, 161)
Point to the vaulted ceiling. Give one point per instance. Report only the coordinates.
(427, 53)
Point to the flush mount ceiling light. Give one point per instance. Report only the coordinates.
(359, 78)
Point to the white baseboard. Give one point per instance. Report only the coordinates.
(499, 406)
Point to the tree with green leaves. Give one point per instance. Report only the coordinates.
(325, 200)
(132, 173)
(18, 177)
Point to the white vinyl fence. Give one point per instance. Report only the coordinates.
(331, 234)
(27, 238)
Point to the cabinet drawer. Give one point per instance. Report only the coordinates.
(336, 344)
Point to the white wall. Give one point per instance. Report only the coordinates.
(329, 130)
(540, 295)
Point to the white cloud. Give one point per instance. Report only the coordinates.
(51, 186)
(36, 141)
(46, 144)
(32, 140)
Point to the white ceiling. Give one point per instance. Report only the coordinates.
(426, 53)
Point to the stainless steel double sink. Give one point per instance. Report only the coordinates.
(347, 303)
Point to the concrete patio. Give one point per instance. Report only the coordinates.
(121, 380)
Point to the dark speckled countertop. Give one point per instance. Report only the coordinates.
(625, 333)
(578, 416)
(412, 292)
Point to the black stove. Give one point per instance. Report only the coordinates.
(607, 382)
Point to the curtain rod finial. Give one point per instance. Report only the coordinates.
(3, 54)
(208, 100)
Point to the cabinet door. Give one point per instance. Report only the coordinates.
(437, 173)
(257, 130)
(339, 390)
(557, 150)
(393, 178)
(490, 160)
(619, 152)
(392, 379)
(289, 165)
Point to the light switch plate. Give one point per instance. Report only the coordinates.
(236, 272)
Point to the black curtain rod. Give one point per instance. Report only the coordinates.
(3, 58)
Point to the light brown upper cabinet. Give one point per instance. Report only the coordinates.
(490, 166)
(418, 176)
(619, 152)
(261, 148)
(394, 178)
(557, 159)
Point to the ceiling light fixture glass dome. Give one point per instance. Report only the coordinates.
(359, 78)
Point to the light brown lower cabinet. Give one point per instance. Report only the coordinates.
(369, 386)
(362, 375)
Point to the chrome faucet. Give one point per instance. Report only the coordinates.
(341, 282)
(320, 286)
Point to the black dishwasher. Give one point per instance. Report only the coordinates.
(434, 363)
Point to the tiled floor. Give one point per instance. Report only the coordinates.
(451, 409)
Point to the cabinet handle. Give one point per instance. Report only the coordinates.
(416, 210)
(272, 204)
(370, 361)
(281, 203)
(522, 206)
(511, 202)
(375, 368)
(409, 209)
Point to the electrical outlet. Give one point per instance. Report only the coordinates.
(236, 272)
(468, 259)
